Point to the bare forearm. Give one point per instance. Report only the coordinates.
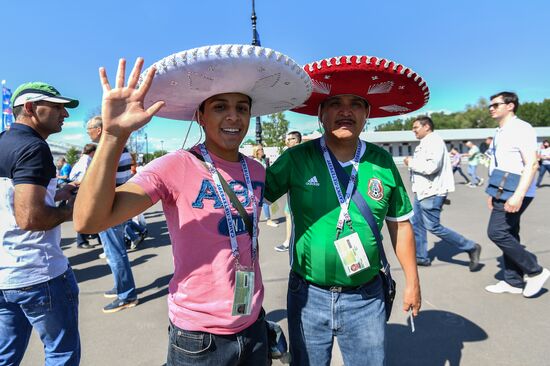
(42, 218)
(404, 246)
(96, 194)
(526, 178)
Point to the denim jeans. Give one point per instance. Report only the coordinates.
(51, 308)
(472, 173)
(117, 257)
(542, 169)
(427, 213)
(357, 318)
(267, 213)
(503, 230)
(130, 229)
(248, 347)
(459, 169)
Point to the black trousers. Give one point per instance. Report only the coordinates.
(503, 230)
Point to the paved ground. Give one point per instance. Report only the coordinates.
(460, 323)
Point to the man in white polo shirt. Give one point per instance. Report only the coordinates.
(514, 151)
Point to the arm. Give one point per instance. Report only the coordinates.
(99, 204)
(31, 211)
(428, 161)
(402, 238)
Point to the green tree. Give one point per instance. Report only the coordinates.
(72, 155)
(159, 153)
(274, 130)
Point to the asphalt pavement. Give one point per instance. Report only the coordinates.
(460, 323)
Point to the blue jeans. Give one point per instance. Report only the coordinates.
(542, 169)
(130, 229)
(356, 317)
(427, 213)
(51, 308)
(267, 213)
(248, 347)
(115, 250)
(503, 230)
(472, 173)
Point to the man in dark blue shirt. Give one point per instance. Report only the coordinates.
(37, 286)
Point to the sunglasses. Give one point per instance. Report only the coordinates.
(495, 105)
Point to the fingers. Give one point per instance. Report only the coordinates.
(120, 73)
(134, 76)
(144, 87)
(103, 80)
(152, 110)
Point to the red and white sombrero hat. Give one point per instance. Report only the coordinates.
(184, 80)
(389, 88)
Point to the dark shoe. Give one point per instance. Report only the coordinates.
(474, 258)
(84, 246)
(144, 234)
(118, 305)
(110, 293)
(424, 262)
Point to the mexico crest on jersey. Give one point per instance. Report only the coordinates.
(376, 189)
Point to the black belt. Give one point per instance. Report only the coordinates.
(332, 288)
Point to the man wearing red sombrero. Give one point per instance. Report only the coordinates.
(342, 187)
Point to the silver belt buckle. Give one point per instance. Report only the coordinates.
(335, 288)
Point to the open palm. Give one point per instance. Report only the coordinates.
(122, 107)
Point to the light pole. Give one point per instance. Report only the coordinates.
(162, 146)
(146, 149)
(256, 42)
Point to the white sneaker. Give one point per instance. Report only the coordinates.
(271, 223)
(480, 183)
(502, 287)
(534, 284)
(102, 256)
(282, 247)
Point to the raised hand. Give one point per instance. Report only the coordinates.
(122, 107)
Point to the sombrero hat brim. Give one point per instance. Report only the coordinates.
(390, 88)
(184, 80)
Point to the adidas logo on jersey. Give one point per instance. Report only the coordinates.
(313, 181)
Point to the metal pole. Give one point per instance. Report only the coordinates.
(146, 160)
(256, 42)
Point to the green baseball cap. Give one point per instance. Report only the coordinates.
(36, 91)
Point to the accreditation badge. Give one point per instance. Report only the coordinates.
(352, 254)
(244, 289)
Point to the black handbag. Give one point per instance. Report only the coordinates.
(388, 283)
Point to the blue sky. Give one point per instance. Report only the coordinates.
(463, 49)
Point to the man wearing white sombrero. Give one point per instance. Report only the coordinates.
(344, 189)
(215, 296)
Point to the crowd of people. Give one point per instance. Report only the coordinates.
(340, 192)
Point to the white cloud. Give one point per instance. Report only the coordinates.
(73, 124)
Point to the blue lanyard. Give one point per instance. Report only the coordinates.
(344, 201)
(227, 209)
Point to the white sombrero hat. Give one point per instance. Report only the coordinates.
(184, 80)
(389, 88)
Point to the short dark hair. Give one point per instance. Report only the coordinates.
(89, 148)
(17, 110)
(297, 134)
(508, 97)
(425, 120)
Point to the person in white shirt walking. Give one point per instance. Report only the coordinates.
(432, 178)
(544, 159)
(514, 152)
(473, 160)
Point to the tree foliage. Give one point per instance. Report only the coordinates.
(72, 155)
(475, 116)
(274, 130)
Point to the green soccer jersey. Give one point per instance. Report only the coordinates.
(302, 172)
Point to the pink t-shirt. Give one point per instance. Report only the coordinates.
(202, 288)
